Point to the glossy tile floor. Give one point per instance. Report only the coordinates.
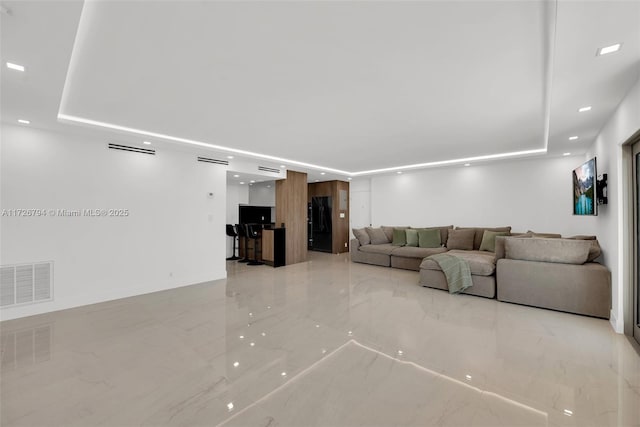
(326, 343)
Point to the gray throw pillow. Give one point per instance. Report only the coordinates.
(362, 236)
(399, 237)
(489, 240)
(377, 236)
(429, 238)
(461, 239)
(412, 237)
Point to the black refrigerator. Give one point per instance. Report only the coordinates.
(320, 227)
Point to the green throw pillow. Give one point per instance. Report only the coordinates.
(412, 237)
(489, 240)
(429, 238)
(399, 237)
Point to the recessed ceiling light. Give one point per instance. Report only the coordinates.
(229, 157)
(467, 164)
(282, 166)
(23, 121)
(608, 49)
(317, 180)
(322, 173)
(573, 138)
(16, 67)
(583, 109)
(268, 186)
(146, 142)
(566, 154)
(236, 176)
(399, 172)
(349, 179)
(241, 182)
(252, 181)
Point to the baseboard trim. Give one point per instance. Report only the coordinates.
(613, 321)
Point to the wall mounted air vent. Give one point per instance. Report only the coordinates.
(26, 283)
(266, 169)
(215, 161)
(132, 149)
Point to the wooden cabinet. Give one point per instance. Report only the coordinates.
(274, 247)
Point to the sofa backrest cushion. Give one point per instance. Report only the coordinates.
(362, 236)
(544, 235)
(399, 237)
(594, 250)
(444, 231)
(377, 236)
(564, 251)
(479, 233)
(430, 238)
(461, 239)
(412, 237)
(389, 231)
(489, 240)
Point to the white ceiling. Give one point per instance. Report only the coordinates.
(350, 86)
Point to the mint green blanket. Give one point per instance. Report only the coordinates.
(456, 270)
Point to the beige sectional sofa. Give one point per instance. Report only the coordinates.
(558, 274)
(542, 270)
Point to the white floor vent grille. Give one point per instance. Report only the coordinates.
(26, 283)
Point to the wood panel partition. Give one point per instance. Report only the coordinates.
(291, 209)
(339, 212)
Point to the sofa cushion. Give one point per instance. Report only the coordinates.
(594, 250)
(479, 233)
(382, 248)
(461, 239)
(377, 236)
(544, 235)
(429, 238)
(399, 238)
(444, 231)
(362, 236)
(552, 250)
(412, 237)
(389, 231)
(481, 263)
(417, 252)
(489, 240)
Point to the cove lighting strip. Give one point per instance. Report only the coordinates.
(69, 118)
(453, 161)
(81, 120)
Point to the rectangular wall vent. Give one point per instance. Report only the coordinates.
(266, 169)
(216, 161)
(132, 149)
(26, 283)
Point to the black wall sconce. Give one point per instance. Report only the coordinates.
(601, 189)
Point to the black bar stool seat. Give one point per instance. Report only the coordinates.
(231, 232)
(254, 234)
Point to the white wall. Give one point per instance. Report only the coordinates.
(609, 225)
(527, 194)
(173, 236)
(262, 194)
(359, 203)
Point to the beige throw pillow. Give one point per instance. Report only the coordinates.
(461, 239)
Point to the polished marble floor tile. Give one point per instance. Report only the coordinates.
(322, 343)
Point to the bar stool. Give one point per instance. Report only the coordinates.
(252, 232)
(242, 232)
(231, 232)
